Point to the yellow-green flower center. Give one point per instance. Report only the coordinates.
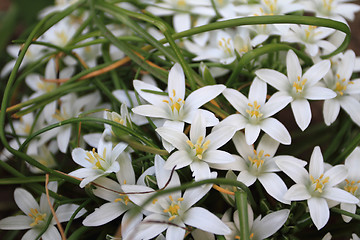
(299, 84)
(258, 159)
(341, 85)
(254, 110)
(319, 183)
(351, 186)
(94, 158)
(36, 216)
(199, 146)
(173, 209)
(225, 45)
(175, 103)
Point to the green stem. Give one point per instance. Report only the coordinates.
(241, 205)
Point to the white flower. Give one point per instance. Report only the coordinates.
(316, 186)
(311, 36)
(300, 87)
(260, 228)
(352, 182)
(118, 203)
(175, 107)
(260, 164)
(97, 164)
(36, 216)
(175, 209)
(255, 114)
(334, 9)
(200, 151)
(71, 106)
(346, 90)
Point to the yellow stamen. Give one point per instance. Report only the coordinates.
(352, 186)
(254, 110)
(319, 183)
(299, 84)
(36, 216)
(259, 158)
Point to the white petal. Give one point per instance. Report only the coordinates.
(205, 220)
(126, 172)
(25, 200)
(193, 195)
(349, 208)
(297, 192)
(246, 178)
(238, 164)
(163, 175)
(31, 234)
(302, 113)
(276, 130)
(63, 138)
(150, 97)
(150, 227)
(274, 78)
(176, 82)
(104, 214)
(220, 137)
(293, 66)
(152, 111)
(277, 102)
(316, 166)
(294, 169)
(203, 95)
(317, 72)
(352, 162)
(198, 128)
(16, 222)
(331, 110)
(176, 232)
(51, 234)
(270, 224)
(268, 144)
(200, 170)
(319, 211)
(237, 100)
(65, 211)
(181, 21)
(176, 138)
(258, 91)
(235, 120)
(241, 146)
(179, 159)
(251, 133)
(319, 93)
(129, 222)
(217, 156)
(351, 106)
(274, 186)
(339, 195)
(336, 175)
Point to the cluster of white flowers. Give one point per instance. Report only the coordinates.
(147, 146)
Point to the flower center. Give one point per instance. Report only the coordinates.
(175, 103)
(351, 186)
(271, 6)
(225, 44)
(45, 86)
(60, 116)
(36, 216)
(199, 147)
(327, 5)
(310, 33)
(299, 84)
(237, 237)
(319, 183)
(123, 198)
(173, 209)
(341, 85)
(254, 110)
(96, 159)
(62, 36)
(258, 159)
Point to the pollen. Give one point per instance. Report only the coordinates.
(351, 186)
(299, 84)
(258, 159)
(173, 209)
(341, 85)
(123, 198)
(199, 146)
(254, 110)
(36, 216)
(319, 183)
(94, 158)
(225, 45)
